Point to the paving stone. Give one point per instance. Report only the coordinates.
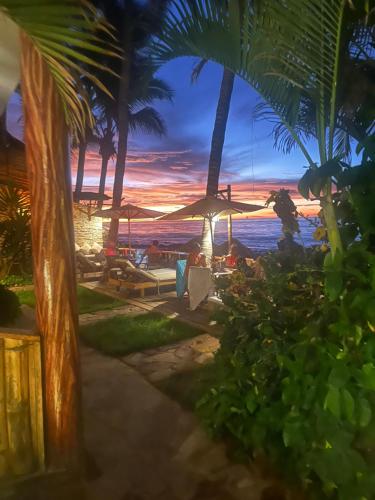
(205, 357)
(134, 359)
(165, 357)
(160, 375)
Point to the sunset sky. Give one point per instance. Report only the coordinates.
(169, 172)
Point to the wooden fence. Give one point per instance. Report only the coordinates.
(21, 412)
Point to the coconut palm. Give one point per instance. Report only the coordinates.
(144, 89)
(137, 87)
(217, 144)
(282, 55)
(52, 40)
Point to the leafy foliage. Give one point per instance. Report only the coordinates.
(299, 386)
(285, 209)
(15, 232)
(16, 280)
(10, 306)
(67, 35)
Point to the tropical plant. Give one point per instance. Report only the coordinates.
(285, 209)
(137, 87)
(15, 232)
(66, 34)
(283, 56)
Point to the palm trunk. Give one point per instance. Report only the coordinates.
(80, 166)
(47, 152)
(103, 176)
(217, 143)
(122, 145)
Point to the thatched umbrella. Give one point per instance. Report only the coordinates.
(128, 212)
(209, 208)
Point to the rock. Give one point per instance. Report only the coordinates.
(204, 358)
(160, 375)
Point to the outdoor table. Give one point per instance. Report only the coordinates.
(200, 285)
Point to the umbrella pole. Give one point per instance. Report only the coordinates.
(129, 238)
(212, 237)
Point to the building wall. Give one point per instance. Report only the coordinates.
(86, 230)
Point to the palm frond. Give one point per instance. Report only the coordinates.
(197, 70)
(284, 56)
(148, 120)
(67, 34)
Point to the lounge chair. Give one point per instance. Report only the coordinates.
(133, 278)
(88, 268)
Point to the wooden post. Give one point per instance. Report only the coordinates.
(47, 156)
(129, 235)
(230, 233)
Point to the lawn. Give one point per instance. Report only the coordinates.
(88, 300)
(123, 334)
(190, 386)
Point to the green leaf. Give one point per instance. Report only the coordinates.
(364, 412)
(368, 376)
(347, 403)
(304, 184)
(334, 279)
(250, 402)
(332, 401)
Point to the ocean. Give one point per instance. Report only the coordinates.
(258, 234)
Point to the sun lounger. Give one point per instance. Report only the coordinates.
(133, 278)
(88, 268)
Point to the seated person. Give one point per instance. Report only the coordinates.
(110, 249)
(195, 259)
(153, 253)
(231, 260)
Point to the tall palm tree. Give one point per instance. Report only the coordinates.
(282, 56)
(135, 22)
(217, 144)
(51, 37)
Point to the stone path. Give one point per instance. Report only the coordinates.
(158, 364)
(146, 447)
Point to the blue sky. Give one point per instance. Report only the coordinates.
(172, 170)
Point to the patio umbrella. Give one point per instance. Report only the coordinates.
(209, 208)
(128, 212)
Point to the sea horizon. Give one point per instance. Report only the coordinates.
(258, 234)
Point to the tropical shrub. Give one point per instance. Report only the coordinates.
(299, 353)
(9, 306)
(299, 386)
(17, 280)
(15, 232)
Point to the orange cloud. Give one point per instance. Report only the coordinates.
(168, 180)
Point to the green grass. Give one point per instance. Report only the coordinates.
(88, 300)
(190, 386)
(123, 334)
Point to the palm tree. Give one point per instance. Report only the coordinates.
(144, 89)
(217, 144)
(52, 36)
(135, 23)
(282, 56)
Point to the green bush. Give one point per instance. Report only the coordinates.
(17, 280)
(299, 386)
(9, 306)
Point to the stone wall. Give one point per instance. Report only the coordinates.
(86, 230)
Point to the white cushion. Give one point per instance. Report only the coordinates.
(85, 248)
(77, 247)
(96, 248)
